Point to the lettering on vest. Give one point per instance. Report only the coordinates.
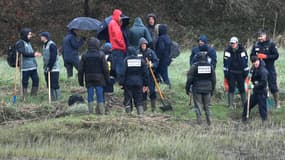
(204, 69)
(134, 63)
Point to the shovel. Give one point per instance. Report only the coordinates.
(15, 79)
(165, 103)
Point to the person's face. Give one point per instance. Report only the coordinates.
(30, 35)
(256, 63)
(143, 46)
(201, 43)
(234, 45)
(43, 39)
(151, 21)
(262, 38)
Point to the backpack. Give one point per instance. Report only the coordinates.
(12, 55)
(174, 49)
(75, 98)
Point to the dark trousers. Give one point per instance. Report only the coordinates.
(234, 79)
(34, 76)
(118, 63)
(69, 67)
(163, 72)
(272, 80)
(259, 99)
(133, 93)
(151, 87)
(202, 102)
(54, 78)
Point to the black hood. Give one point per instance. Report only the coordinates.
(24, 34)
(93, 43)
(132, 51)
(162, 29)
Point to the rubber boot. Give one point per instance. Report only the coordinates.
(140, 110)
(34, 91)
(25, 93)
(128, 110)
(243, 99)
(145, 105)
(199, 119)
(101, 108)
(90, 107)
(153, 106)
(208, 119)
(53, 94)
(107, 110)
(58, 94)
(276, 100)
(231, 100)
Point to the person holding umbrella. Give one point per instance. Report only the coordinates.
(70, 48)
(51, 65)
(118, 43)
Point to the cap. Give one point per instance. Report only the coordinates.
(234, 40)
(45, 34)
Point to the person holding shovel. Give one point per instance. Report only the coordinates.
(258, 83)
(266, 50)
(28, 62)
(51, 65)
(149, 55)
(202, 78)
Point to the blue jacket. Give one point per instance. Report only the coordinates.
(236, 61)
(137, 31)
(163, 45)
(70, 47)
(135, 70)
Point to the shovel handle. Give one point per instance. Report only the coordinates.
(49, 88)
(154, 79)
(248, 103)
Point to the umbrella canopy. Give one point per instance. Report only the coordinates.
(84, 23)
(103, 29)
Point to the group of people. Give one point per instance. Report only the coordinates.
(126, 58)
(201, 77)
(131, 55)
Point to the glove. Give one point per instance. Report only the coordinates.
(47, 69)
(262, 56)
(250, 86)
(150, 64)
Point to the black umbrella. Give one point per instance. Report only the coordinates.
(84, 23)
(103, 29)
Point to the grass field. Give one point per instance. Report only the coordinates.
(34, 133)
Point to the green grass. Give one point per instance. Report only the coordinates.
(171, 135)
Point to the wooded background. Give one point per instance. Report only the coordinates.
(187, 19)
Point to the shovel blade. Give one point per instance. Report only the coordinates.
(166, 108)
(14, 99)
